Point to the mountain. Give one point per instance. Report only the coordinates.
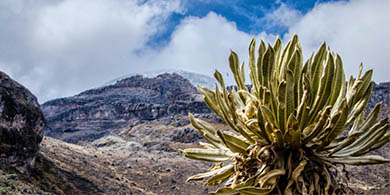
(124, 138)
(97, 112)
(194, 78)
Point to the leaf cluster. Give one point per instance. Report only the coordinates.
(295, 123)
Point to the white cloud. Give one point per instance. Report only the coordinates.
(358, 30)
(282, 17)
(59, 48)
(203, 45)
(63, 47)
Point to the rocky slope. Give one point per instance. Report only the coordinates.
(140, 160)
(381, 93)
(21, 126)
(95, 113)
(144, 159)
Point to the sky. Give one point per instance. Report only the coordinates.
(59, 48)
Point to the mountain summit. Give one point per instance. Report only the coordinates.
(194, 78)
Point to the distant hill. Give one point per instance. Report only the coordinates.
(194, 78)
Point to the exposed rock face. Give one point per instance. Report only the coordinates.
(21, 125)
(380, 93)
(94, 113)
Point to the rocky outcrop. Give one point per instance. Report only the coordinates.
(380, 93)
(95, 113)
(21, 125)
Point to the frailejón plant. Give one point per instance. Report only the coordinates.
(294, 129)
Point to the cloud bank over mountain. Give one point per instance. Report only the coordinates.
(58, 48)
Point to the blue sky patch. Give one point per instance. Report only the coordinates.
(247, 15)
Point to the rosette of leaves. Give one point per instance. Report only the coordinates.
(293, 129)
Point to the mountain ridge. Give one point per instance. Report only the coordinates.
(194, 78)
